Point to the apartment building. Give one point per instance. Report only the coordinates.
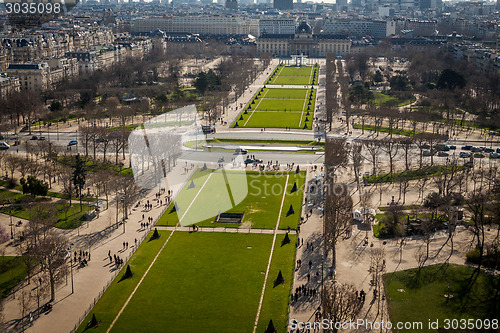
(359, 28)
(199, 24)
(277, 25)
(8, 85)
(32, 76)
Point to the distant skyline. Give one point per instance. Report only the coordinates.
(349, 1)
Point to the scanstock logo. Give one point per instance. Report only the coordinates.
(27, 14)
(167, 152)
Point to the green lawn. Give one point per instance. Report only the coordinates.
(287, 109)
(67, 217)
(289, 75)
(12, 271)
(7, 196)
(257, 195)
(117, 293)
(202, 282)
(385, 99)
(286, 93)
(276, 299)
(412, 297)
(267, 142)
(295, 200)
(263, 119)
(281, 105)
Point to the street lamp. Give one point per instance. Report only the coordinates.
(11, 224)
(71, 269)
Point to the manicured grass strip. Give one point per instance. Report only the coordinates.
(202, 282)
(118, 291)
(293, 199)
(259, 199)
(184, 198)
(256, 106)
(281, 105)
(284, 112)
(269, 142)
(67, 217)
(275, 120)
(286, 93)
(276, 299)
(12, 271)
(429, 171)
(290, 75)
(414, 297)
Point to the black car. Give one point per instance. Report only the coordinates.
(467, 147)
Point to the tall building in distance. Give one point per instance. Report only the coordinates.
(283, 4)
(232, 4)
(277, 25)
(341, 5)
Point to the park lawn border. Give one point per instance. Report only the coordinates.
(16, 271)
(276, 301)
(266, 219)
(424, 295)
(295, 199)
(71, 219)
(117, 293)
(205, 282)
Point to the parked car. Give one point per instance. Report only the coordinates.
(494, 155)
(34, 137)
(41, 138)
(73, 143)
(426, 153)
(443, 154)
(425, 146)
(467, 147)
(441, 147)
(489, 150)
(241, 151)
(498, 150)
(464, 154)
(4, 145)
(476, 149)
(478, 155)
(453, 147)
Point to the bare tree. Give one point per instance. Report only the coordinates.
(391, 148)
(373, 148)
(51, 252)
(336, 157)
(340, 303)
(337, 218)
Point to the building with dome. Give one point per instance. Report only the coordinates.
(303, 41)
